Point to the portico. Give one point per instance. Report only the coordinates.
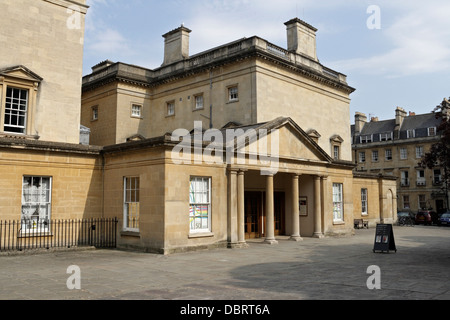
(268, 205)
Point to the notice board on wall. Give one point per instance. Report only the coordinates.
(384, 238)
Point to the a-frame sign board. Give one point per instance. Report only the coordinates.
(384, 238)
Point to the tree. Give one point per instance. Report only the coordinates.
(439, 154)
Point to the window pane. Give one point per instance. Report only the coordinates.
(36, 203)
(131, 205)
(199, 208)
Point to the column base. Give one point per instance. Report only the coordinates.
(270, 241)
(237, 245)
(318, 235)
(296, 238)
(242, 245)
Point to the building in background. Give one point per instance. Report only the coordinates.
(395, 147)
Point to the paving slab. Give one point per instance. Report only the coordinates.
(312, 269)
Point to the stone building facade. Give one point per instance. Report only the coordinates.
(244, 86)
(207, 150)
(395, 147)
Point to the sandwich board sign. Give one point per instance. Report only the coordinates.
(384, 238)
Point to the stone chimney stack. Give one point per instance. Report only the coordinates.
(301, 38)
(400, 115)
(176, 45)
(360, 121)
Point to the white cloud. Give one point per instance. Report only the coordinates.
(418, 42)
(108, 41)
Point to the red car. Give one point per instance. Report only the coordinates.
(426, 217)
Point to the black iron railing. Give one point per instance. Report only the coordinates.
(30, 234)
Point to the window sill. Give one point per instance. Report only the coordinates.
(14, 135)
(338, 222)
(200, 235)
(130, 233)
(232, 101)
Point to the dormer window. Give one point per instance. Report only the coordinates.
(366, 139)
(386, 136)
(410, 133)
(432, 131)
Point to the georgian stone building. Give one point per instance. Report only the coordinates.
(249, 84)
(395, 147)
(207, 150)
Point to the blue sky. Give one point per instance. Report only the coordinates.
(404, 62)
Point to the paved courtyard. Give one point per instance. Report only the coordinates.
(314, 269)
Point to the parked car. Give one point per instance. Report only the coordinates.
(444, 219)
(426, 217)
(405, 218)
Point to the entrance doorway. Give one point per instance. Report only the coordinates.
(440, 206)
(255, 218)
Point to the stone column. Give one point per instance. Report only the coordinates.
(270, 227)
(232, 233)
(317, 209)
(295, 209)
(241, 209)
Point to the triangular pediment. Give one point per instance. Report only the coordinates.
(289, 140)
(20, 72)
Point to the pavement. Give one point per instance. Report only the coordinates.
(312, 269)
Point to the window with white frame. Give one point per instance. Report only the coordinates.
(131, 205)
(375, 155)
(362, 157)
(338, 204)
(198, 100)
(36, 203)
(336, 152)
(403, 153)
(437, 176)
(419, 152)
(386, 136)
(170, 108)
(16, 108)
(94, 113)
(422, 201)
(410, 133)
(200, 204)
(431, 131)
(420, 177)
(136, 110)
(404, 178)
(406, 204)
(388, 154)
(365, 139)
(363, 201)
(233, 94)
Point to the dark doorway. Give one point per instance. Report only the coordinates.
(255, 219)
